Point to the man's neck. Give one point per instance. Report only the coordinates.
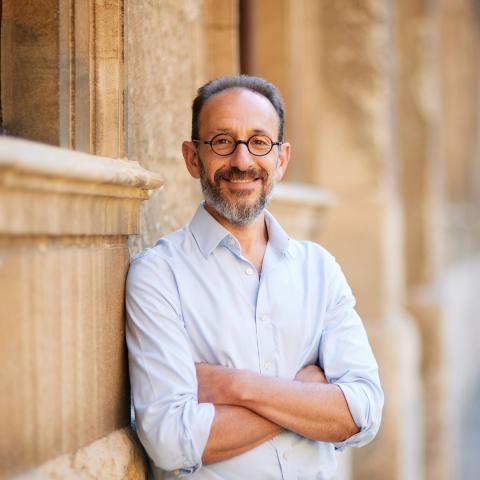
(253, 237)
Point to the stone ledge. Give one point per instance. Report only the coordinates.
(301, 208)
(47, 190)
(117, 456)
(28, 157)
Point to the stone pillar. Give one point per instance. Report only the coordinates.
(65, 218)
(421, 163)
(364, 229)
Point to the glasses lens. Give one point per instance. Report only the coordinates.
(259, 144)
(223, 144)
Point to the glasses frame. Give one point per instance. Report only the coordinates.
(237, 142)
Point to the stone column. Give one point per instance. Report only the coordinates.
(421, 166)
(364, 229)
(65, 218)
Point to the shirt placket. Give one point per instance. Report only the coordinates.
(268, 356)
(264, 328)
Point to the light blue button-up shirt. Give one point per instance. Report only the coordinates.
(195, 298)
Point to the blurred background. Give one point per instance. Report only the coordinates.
(383, 114)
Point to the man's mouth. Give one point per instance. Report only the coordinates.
(238, 177)
(241, 180)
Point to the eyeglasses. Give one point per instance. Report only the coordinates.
(223, 144)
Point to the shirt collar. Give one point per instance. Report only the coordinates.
(208, 233)
(277, 237)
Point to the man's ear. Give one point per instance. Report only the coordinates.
(282, 162)
(189, 150)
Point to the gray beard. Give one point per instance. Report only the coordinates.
(238, 213)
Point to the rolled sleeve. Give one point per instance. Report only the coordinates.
(348, 361)
(171, 424)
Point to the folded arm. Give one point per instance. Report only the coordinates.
(313, 409)
(236, 429)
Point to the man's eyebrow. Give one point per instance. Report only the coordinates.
(255, 131)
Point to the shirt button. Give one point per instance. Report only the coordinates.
(285, 456)
(176, 473)
(264, 318)
(249, 271)
(268, 365)
(231, 242)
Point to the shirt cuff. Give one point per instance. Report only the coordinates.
(200, 433)
(360, 417)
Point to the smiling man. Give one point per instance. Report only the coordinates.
(247, 358)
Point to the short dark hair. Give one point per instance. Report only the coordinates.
(255, 84)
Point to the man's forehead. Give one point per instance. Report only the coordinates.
(238, 104)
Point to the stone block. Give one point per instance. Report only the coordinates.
(118, 456)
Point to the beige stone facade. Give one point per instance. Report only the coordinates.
(383, 113)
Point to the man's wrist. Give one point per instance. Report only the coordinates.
(242, 387)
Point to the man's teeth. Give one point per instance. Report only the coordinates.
(247, 180)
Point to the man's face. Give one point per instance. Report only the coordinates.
(238, 186)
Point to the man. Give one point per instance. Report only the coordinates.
(247, 359)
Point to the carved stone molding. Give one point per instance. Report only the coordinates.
(46, 190)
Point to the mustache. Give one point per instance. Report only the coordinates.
(234, 173)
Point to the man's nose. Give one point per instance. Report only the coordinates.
(241, 157)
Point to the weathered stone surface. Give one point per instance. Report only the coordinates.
(220, 38)
(118, 456)
(62, 345)
(30, 70)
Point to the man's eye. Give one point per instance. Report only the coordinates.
(260, 142)
(223, 141)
